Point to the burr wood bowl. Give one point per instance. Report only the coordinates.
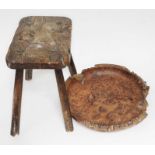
(107, 97)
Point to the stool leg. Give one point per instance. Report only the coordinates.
(64, 100)
(17, 102)
(28, 74)
(71, 67)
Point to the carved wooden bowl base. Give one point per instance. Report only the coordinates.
(107, 97)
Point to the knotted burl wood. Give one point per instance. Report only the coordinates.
(41, 42)
(107, 97)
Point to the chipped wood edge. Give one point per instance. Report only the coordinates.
(109, 128)
(80, 77)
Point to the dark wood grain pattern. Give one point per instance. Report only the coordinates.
(40, 42)
(17, 102)
(64, 100)
(107, 97)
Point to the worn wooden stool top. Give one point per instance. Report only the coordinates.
(40, 42)
(107, 97)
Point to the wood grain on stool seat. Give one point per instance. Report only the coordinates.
(41, 42)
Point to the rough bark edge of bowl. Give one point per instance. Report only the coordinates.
(111, 128)
(80, 77)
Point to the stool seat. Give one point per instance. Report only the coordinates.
(40, 42)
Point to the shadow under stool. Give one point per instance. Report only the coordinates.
(41, 42)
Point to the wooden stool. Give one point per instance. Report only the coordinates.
(41, 43)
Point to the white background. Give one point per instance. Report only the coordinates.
(124, 37)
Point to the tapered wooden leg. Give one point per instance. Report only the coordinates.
(72, 67)
(64, 100)
(28, 74)
(17, 102)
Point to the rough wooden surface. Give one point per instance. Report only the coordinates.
(107, 97)
(15, 126)
(64, 100)
(71, 66)
(40, 42)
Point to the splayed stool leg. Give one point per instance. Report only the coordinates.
(28, 74)
(15, 126)
(71, 66)
(64, 100)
